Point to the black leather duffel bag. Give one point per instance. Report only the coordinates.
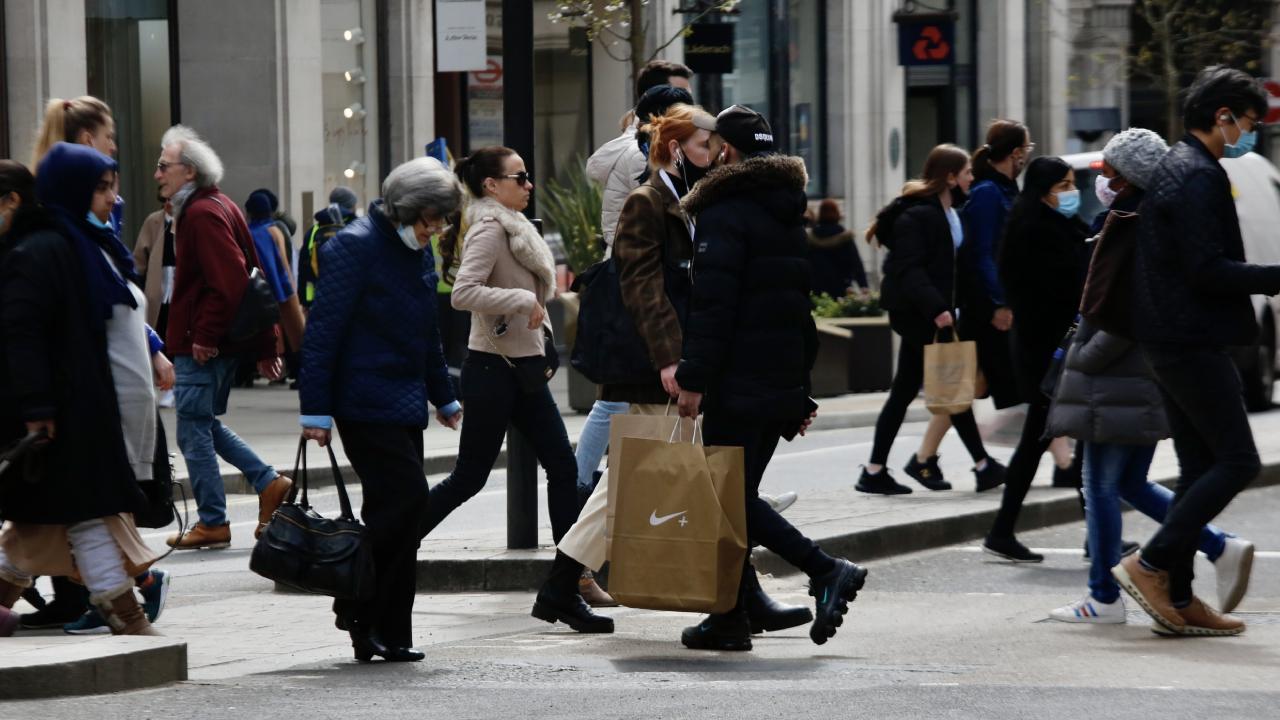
(306, 551)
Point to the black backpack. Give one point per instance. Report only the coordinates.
(608, 349)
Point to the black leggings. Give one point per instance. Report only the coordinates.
(906, 386)
(1022, 469)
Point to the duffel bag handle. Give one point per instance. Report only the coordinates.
(300, 480)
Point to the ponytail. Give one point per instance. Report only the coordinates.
(480, 165)
(64, 120)
(1003, 137)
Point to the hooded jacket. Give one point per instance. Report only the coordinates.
(750, 340)
(56, 367)
(920, 271)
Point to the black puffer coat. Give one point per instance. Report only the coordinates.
(750, 340)
(57, 367)
(1107, 393)
(1042, 267)
(920, 270)
(1191, 282)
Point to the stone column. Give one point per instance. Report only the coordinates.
(45, 57)
(1048, 42)
(411, 71)
(1002, 61)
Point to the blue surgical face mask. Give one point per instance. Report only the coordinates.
(94, 221)
(408, 237)
(1068, 202)
(1243, 146)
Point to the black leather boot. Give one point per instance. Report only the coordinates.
(767, 614)
(729, 631)
(559, 601)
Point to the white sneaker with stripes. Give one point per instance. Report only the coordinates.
(1089, 610)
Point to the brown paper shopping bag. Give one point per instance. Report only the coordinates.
(652, 427)
(680, 530)
(950, 372)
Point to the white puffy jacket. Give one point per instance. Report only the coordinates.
(616, 165)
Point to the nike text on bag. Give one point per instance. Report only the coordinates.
(680, 532)
(950, 372)
(652, 427)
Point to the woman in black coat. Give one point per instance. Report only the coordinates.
(1043, 260)
(923, 233)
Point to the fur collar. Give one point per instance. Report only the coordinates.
(528, 247)
(759, 173)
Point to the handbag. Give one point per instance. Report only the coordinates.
(306, 551)
(258, 310)
(608, 349)
(950, 375)
(159, 510)
(1058, 363)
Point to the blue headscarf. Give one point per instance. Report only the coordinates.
(65, 183)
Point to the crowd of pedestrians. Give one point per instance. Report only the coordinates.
(706, 224)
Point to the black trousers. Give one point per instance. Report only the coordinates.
(759, 440)
(493, 400)
(1216, 455)
(907, 382)
(1022, 469)
(388, 461)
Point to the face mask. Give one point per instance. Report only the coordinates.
(94, 221)
(1068, 202)
(1243, 146)
(1102, 188)
(408, 237)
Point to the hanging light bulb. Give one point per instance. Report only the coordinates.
(355, 111)
(354, 35)
(356, 168)
(354, 75)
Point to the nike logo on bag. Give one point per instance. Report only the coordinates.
(655, 521)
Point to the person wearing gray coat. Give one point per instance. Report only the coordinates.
(1108, 399)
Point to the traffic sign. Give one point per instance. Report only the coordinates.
(1273, 101)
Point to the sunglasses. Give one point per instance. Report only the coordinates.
(521, 177)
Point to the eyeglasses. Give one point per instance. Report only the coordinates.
(164, 166)
(521, 177)
(1029, 147)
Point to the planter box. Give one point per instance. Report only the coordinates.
(854, 355)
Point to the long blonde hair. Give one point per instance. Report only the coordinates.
(943, 161)
(677, 123)
(64, 120)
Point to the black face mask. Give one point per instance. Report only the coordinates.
(692, 173)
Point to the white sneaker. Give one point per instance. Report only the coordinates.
(781, 502)
(1233, 568)
(1089, 610)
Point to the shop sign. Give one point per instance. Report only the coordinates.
(484, 104)
(708, 48)
(460, 35)
(926, 42)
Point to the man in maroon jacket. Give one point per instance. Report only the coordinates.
(214, 256)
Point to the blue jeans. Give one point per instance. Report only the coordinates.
(594, 440)
(1119, 472)
(201, 394)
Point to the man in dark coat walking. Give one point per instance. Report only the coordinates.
(1190, 304)
(749, 344)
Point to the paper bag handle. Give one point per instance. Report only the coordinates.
(697, 431)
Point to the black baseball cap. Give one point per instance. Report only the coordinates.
(745, 129)
(658, 99)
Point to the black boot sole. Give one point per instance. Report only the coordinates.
(696, 641)
(1013, 558)
(822, 631)
(552, 615)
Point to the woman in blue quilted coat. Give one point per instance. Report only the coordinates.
(371, 362)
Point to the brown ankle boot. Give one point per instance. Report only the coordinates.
(591, 591)
(203, 536)
(269, 499)
(123, 613)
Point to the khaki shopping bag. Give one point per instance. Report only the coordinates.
(950, 373)
(680, 531)
(652, 427)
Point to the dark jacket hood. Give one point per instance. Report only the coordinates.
(886, 218)
(776, 182)
(68, 175)
(333, 215)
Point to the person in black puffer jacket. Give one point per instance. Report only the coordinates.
(749, 344)
(1191, 288)
(922, 231)
(1043, 259)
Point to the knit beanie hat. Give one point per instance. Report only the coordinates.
(259, 204)
(345, 198)
(1135, 153)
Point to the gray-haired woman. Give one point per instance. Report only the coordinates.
(372, 361)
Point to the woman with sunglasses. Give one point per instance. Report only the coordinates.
(506, 277)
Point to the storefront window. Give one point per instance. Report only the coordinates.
(561, 96)
(806, 81)
(349, 90)
(127, 44)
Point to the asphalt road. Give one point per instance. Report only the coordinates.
(939, 634)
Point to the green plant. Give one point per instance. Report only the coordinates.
(573, 208)
(854, 303)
